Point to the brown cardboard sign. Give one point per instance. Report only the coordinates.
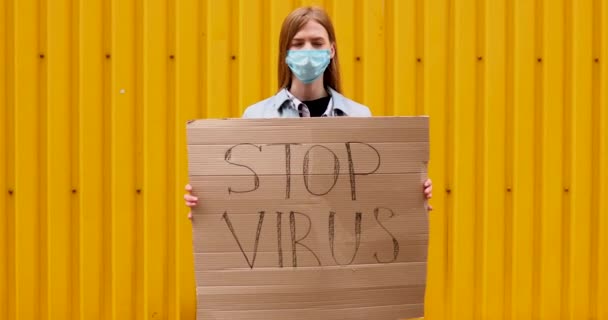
(319, 218)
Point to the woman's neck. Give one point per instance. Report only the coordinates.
(308, 92)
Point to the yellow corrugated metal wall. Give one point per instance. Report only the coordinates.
(94, 95)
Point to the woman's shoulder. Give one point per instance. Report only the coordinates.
(350, 107)
(258, 109)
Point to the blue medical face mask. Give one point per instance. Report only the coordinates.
(308, 65)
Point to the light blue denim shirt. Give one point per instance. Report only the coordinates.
(285, 105)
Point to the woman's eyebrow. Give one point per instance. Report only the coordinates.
(304, 38)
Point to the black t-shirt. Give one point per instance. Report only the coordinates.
(317, 107)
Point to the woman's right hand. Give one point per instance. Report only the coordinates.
(191, 201)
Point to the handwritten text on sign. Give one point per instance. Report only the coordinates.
(306, 171)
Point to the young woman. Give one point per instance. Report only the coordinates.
(309, 72)
(309, 77)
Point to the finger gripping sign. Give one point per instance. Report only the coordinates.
(317, 218)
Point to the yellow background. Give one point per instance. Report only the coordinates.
(94, 96)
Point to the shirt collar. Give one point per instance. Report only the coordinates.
(337, 105)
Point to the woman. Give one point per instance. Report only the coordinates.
(309, 73)
(309, 77)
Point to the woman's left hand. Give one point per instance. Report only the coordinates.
(428, 192)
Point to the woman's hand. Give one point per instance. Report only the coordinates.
(191, 201)
(428, 192)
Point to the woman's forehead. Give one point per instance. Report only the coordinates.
(312, 29)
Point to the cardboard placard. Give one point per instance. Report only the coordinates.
(318, 218)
